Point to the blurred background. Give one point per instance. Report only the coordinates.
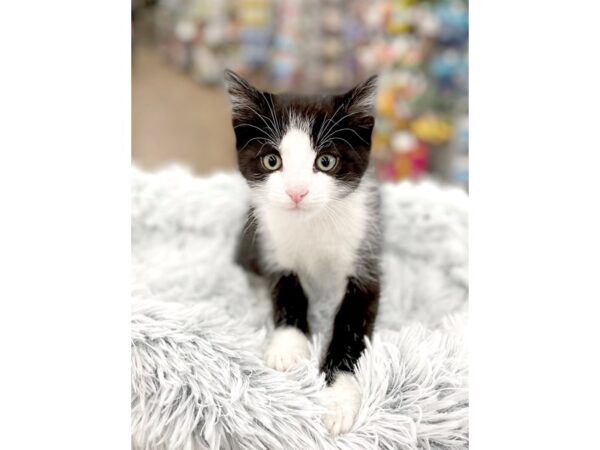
(180, 112)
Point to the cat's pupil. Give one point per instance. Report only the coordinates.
(325, 161)
(272, 161)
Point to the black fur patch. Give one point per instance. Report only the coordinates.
(290, 304)
(247, 252)
(354, 321)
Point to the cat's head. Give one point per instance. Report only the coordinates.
(301, 152)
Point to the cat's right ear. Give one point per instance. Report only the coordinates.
(243, 96)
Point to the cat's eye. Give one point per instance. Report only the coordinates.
(271, 161)
(326, 162)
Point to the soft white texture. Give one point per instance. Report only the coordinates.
(298, 159)
(322, 247)
(199, 330)
(287, 347)
(342, 401)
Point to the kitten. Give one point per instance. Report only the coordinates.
(314, 223)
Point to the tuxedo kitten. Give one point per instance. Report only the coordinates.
(314, 223)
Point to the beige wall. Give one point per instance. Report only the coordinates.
(177, 119)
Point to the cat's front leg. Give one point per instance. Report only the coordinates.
(354, 321)
(289, 343)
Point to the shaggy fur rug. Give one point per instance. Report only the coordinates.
(200, 324)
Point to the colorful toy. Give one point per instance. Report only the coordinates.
(431, 128)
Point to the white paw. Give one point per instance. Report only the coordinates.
(287, 347)
(342, 400)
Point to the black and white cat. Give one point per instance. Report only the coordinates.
(314, 223)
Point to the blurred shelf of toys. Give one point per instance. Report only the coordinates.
(419, 48)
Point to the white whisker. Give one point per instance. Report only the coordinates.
(343, 140)
(271, 107)
(339, 130)
(325, 122)
(264, 119)
(332, 128)
(251, 140)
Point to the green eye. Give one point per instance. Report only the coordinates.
(271, 161)
(326, 162)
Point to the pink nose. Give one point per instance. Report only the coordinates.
(297, 194)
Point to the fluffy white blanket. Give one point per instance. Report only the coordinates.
(199, 326)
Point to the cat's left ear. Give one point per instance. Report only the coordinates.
(360, 102)
(244, 97)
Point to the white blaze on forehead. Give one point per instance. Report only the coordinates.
(298, 158)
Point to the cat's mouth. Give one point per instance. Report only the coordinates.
(296, 207)
(302, 208)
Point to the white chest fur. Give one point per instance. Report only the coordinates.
(322, 248)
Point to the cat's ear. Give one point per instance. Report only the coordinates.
(360, 101)
(243, 96)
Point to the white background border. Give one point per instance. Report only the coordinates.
(64, 221)
(534, 224)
